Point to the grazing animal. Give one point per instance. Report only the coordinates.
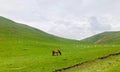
(56, 52)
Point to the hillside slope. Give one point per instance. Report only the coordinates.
(12, 31)
(112, 37)
(26, 49)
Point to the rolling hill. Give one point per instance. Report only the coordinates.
(27, 49)
(16, 31)
(13, 32)
(112, 37)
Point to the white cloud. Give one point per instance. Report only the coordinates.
(97, 26)
(65, 18)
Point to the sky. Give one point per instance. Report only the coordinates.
(73, 19)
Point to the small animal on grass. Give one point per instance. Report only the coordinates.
(56, 52)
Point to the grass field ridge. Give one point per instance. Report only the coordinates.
(82, 63)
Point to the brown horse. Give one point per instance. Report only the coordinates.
(56, 52)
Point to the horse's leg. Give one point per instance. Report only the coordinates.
(57, 54)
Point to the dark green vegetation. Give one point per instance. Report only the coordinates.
(26, 49)
(105, 38)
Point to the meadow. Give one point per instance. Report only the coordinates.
(110, 64)
(26, 49)
(39, 59)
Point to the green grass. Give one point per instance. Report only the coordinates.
(26, 49)
(36, 60)
(112, 37)
(111, 64)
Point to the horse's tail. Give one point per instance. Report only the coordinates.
(53, 53)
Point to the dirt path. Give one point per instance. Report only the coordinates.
(80, 64)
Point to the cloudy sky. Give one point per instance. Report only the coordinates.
(75, 19)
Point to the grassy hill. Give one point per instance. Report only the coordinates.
(27, 49)
(14, 31)
(105, 38)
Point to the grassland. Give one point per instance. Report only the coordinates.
(110, 64)
(111, 37)
(26, 49)
(37, 59)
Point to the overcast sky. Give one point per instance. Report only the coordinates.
(75, 19)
